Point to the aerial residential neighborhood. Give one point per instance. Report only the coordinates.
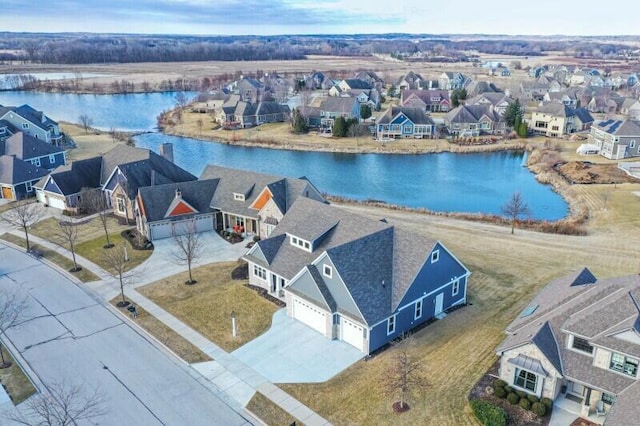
(356, 223)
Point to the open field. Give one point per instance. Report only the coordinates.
(207, 305)
(507, 271)
(89, 144)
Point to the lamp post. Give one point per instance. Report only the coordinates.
(234, 327)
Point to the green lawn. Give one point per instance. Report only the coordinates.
(83, 275)
(17, 383)
(207, 305)
(270, 413)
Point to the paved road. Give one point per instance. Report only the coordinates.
(71, 337)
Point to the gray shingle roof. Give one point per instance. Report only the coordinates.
(14, 171)
(355, 83)
(157, 199)
(338, 105)
(80, 174)
(416, 115)
(472, 114)
(25, 147)
(619, 127)
(376, 261)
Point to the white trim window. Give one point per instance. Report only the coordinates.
(455, 288)
(25, 125)
(418, 310)
(121, 206)
(36, 162)
(435, 256)
(238, 197)
(327, 271)
(525, 380)
(52, 158)
(623, 364)
(28, 186)
(259, 272)
(391, 325)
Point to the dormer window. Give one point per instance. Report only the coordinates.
(299, 242)
(435, 256)
(327, 271)
(238, 197)
(581, 345)
(25, 125)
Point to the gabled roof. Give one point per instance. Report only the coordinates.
(427, 96)
(37, 118)
(472, 114)
(26, 147)
(619, 127)
(72, 178)
(338, 104)
(159, 199)
(266, 108)
(284, 190)
(556, 109)
(14, 171)
(376, 261)
(416, 115)
(583, 115)
(355, 83)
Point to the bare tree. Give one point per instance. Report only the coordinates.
(12, 310)
(62, 404)
(24, 215)
(116, 261)
(85, 121)
(94, 201)
(404, 376)
(189, 247)
(200, 124)
(514, 208)
(181, 100)
(68, 232)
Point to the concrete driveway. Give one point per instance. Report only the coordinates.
(291, 352)
(162, 262)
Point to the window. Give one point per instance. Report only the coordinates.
(25, 125)
(300, 243)
(36, 162)
(391, 325)
(632, 144)
(525, 380)
(541, 124)
(239, 197)
(608, 399)
(120, 204)
(259, 272)
(52, 159)
(582, 345)
(418, 312)
(28, 186)
(435, 255)
(407, 129)
(327, 271)
(623, 364)
(556, 128)
(455, 288)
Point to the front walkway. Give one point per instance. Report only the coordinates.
(565, 411)
(291, 352)
(230, 377)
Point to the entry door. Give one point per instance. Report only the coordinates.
(576, 389)
(439, 303)
(274, 283)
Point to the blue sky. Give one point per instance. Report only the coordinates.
(319, 16)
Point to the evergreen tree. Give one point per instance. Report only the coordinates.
(340, 127)
(365, 111)
(457, 96)
(299, 123)
(512, 113)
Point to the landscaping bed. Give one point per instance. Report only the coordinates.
(137, 241)
(586, 172)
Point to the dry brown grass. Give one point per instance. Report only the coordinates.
(172, 340)
(207, 305)
(90, 144)
(16, 382)
(269, 412)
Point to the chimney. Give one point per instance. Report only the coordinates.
(166, 150)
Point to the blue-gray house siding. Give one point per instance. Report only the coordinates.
(433, 279)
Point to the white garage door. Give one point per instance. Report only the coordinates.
(57, 203)
(159, 231)
(351, 333)
(204, 223)
(309, 315)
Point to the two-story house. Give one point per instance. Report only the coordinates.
(430, 100)
(250, 90)
(333, 107)
(616, 139)
(556, 119)
(405, 122)
(34, 123)
(410, 80)
(579, 339)
(500, 101)
(449, 80)
(355, 279)
(474, 120)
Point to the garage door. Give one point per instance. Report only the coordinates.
(309, 315)
(204, 223)
(159, 231)
(7, 194)
(351, 333)
(57, 203)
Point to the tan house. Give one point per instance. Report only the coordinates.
(556, 119)
(578, 343)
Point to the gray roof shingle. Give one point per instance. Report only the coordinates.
(157, 199)
(25, 147)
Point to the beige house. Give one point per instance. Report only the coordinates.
(556, 119)
(578, 343)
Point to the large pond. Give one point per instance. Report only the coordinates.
(474, 183)
(132, 112)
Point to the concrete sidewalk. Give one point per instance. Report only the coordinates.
(230, 376)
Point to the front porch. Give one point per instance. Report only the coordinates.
(245, 226)
(580, 401)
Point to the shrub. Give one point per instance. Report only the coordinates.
(522, 394)
(539, 409)
(488, 414)
(524, 403)
(513, 398)
(508, 389)
(499, 383)
(532, 398)
(548, 403)
(499, 392)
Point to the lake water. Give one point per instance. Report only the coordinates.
(53, 76)
(131, 112)
(473, 183)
